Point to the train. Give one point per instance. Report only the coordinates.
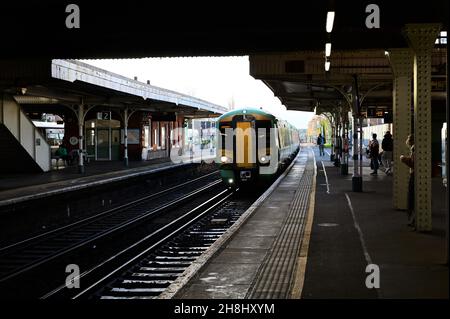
(253, 146)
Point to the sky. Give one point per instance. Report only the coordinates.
(220, 80)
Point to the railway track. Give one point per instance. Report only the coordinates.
(23, 256)
(147, 268)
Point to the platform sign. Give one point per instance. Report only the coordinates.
(373, 112)
(103, 115)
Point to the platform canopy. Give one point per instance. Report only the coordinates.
(136, 28)
(300, 82)
(285, 40)
(73, 82)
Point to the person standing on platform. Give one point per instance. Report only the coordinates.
(387, 145)
(61, 152)
(374, 150)
(321, 143)
(409, 161)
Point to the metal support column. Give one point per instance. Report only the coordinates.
(361, 122)
(344, 163)
(402, 65)
(333, 140)
(421, 38)
(81, 169)
(357, 177)
(125, 136)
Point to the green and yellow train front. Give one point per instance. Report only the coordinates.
(244, 151)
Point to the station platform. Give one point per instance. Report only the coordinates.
(311, 237)
(16, 188)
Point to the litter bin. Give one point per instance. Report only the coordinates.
(344, 169)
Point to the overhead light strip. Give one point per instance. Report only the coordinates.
(327, 49)
(330, 21)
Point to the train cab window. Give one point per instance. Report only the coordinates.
(263, 131)
(223, 126)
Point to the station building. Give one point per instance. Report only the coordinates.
(114, 117)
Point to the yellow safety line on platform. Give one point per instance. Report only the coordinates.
(297, 288)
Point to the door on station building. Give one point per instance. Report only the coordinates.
(103, 139)
(103, 144)
(115, 144)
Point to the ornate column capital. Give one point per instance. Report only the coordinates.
(421, 37)
(401, 61)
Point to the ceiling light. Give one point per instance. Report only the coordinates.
(327, 49)
(330, 21)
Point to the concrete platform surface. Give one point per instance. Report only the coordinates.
(349, 232)
(233, 272)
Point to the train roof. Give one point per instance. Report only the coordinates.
(232, 113)
(246, 111)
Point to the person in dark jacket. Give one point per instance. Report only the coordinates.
(388, 146)
(409, 161)
(321, 143)
(374, 150)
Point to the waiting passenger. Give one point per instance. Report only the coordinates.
(374, 150)
(73, 156)
(387, 145)
(321, 143)
(409, 161)
(62, 152)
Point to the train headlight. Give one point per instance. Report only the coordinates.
(224, 159)
(230, 181)
(264, 159)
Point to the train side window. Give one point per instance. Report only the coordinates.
(263, 131)
(222, 129)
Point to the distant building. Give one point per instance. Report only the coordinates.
(303, 134)
(318, 124)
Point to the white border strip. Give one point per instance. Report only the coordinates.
(84, 185)
(326, 177)
(361, 238)
(203, 260)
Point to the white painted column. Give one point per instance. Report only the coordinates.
(81, 169)
(125, 136)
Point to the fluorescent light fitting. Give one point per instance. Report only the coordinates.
(330, 21)
(327, 49)
(327, 65)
